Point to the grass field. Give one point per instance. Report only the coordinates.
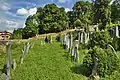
(44, 62)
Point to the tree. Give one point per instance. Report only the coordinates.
(115, 11)
(31, 28)
(77, 23)
(107, 61)
(52, 19)
(17, 34)
(83, 11)
(102, 12)
(101, 39)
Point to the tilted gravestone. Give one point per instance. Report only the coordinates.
(8, 59)
(25, 51)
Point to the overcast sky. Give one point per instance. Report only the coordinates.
(13, 13)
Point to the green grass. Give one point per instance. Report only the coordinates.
(44, 62)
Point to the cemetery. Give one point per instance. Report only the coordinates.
(59, 45)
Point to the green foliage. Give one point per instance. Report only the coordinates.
(107, 61)
(101, 39)
(52, 19)
(83, 11)
(115, 43)
(17, 34)
(102, 12)
(46, 62)
(77, 23)
(31, 28)
(115, 11)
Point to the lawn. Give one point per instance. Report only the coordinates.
(44, 62)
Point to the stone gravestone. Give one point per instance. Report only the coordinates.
(64, 43)
(85, 37)
(76, 53)
(14, 64)
(25, 51)
(91, 35)
(116, 31)
(78, 35)
(71, 40)
(8, 59)
(81, 40)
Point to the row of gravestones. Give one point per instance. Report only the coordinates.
(115, 31)
(71, 42)
(47, 39)
(12, 63)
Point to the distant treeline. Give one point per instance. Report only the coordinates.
(51, 18)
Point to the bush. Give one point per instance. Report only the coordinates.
(107, 61)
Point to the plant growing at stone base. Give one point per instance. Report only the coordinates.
(107, 61)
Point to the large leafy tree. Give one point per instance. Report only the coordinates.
(83, 11)
(31, 28)
(102, 12)
(52, 19)
(115, 11)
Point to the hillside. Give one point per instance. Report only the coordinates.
(44, 62)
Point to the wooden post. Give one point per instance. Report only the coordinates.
(8, 59)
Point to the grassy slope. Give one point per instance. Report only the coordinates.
(48, 62)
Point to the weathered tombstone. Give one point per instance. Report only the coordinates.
(85, 37)
(116, 31)
(76, 53)
(14, 64)
(64, 43)
(4, 77)
(68, 41)
(71, 40)
(8, 59)
(79, 36)
(81, 40)
(25, 51)
(46, 39)
(94, 70)
(91, 35)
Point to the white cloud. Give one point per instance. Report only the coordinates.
(5, 8)
(32, 11)
(67, 9)
(62, 1)
(22, 11)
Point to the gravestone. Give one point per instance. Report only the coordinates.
(85, 37)
(116, 31)
(91, 35)
(71, 40)
(81, 40)
(8, 59)
(25, 51)
(79, 36)
(76, 53)
(64, 43)
(14, 64)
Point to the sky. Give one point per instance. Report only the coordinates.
(13, 13)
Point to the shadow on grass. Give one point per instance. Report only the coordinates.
(81, 69)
